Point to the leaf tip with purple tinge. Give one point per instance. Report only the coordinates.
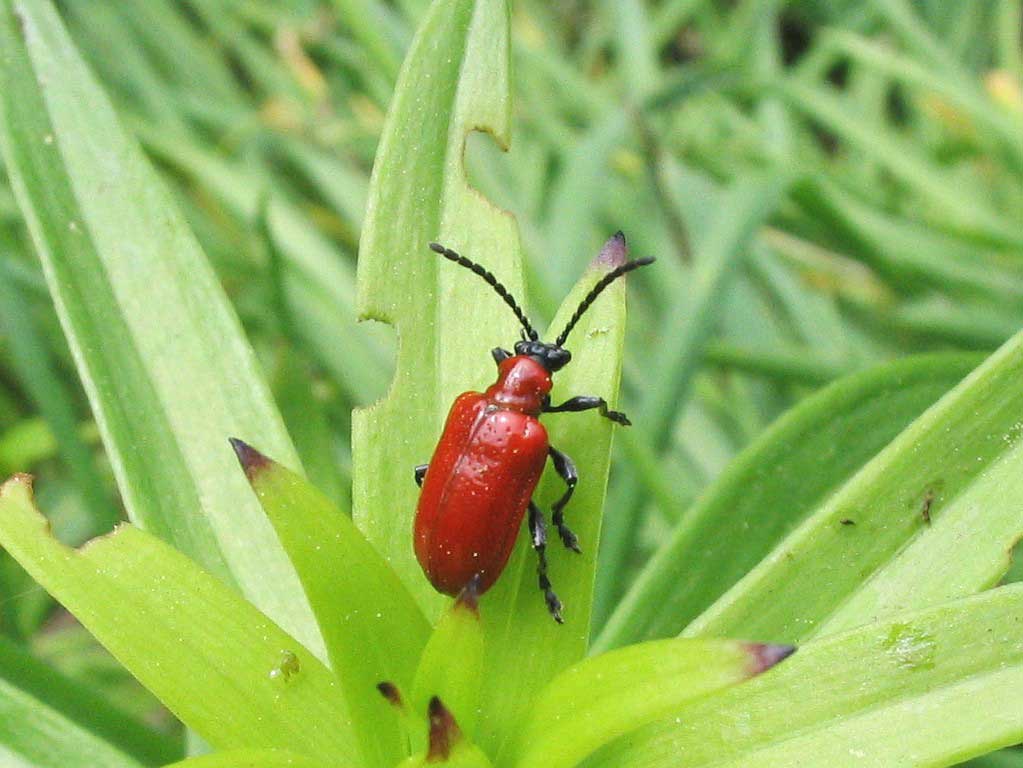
(614, 253)
(469, 597)
(766, 655)
(252, 461)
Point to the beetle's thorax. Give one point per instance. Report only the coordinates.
(522, 385)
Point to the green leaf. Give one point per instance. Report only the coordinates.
(462, 755)
(203, 650)
(960, 463)
(906, 163)
(1006, 758)
(447, 321)
(34, 365)
(159, 350)
(930, 688)
(454, 80)
(590, 704)
(373, 629)
(252, 758)
(451, 667)
(318, 285)
(36, 697)
(376, 28)
(778, 481)
(32, 735)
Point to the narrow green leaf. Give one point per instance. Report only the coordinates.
(635, 49)
(34, 735)
(34, 366)
(923, 689)
(964, 93)
(160, 353)
(971, 217)
(454, 80)
(573, 204)
(305, 414)
(1006, 758)
(451, 666)
(592, 703)
(200, 647)
(319, 286)
(934, 520)
(373, 629)
(252, 758)
(777, 482)
(376, 27)
(24, 677)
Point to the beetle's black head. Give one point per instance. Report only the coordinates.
(550, 356)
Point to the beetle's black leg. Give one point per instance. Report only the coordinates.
(421, 473)
(538, 533)
(586, 403)
(566, 470)
(500, 355)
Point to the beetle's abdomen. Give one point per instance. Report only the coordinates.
(481, 478)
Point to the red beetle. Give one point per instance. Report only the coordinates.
(492, 452)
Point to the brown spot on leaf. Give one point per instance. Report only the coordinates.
(390, 692)
(925, 510)
(444, 731)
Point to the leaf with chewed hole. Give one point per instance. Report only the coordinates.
(456, 80)
(200, 647)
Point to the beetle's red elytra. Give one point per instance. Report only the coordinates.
(493, 449)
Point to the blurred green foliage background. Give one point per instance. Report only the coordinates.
(827, 185)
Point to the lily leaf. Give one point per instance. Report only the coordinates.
(73, 716)
(373, 629)
(777, 482)
(36, 732)
(929, 688)
(220, 665)
(159, 350)
(605, 696)
(935, 520)
(454, 80)
(250, 758)
(451, 667)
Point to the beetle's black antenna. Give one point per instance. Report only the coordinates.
(489, 278)
(604, 282)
